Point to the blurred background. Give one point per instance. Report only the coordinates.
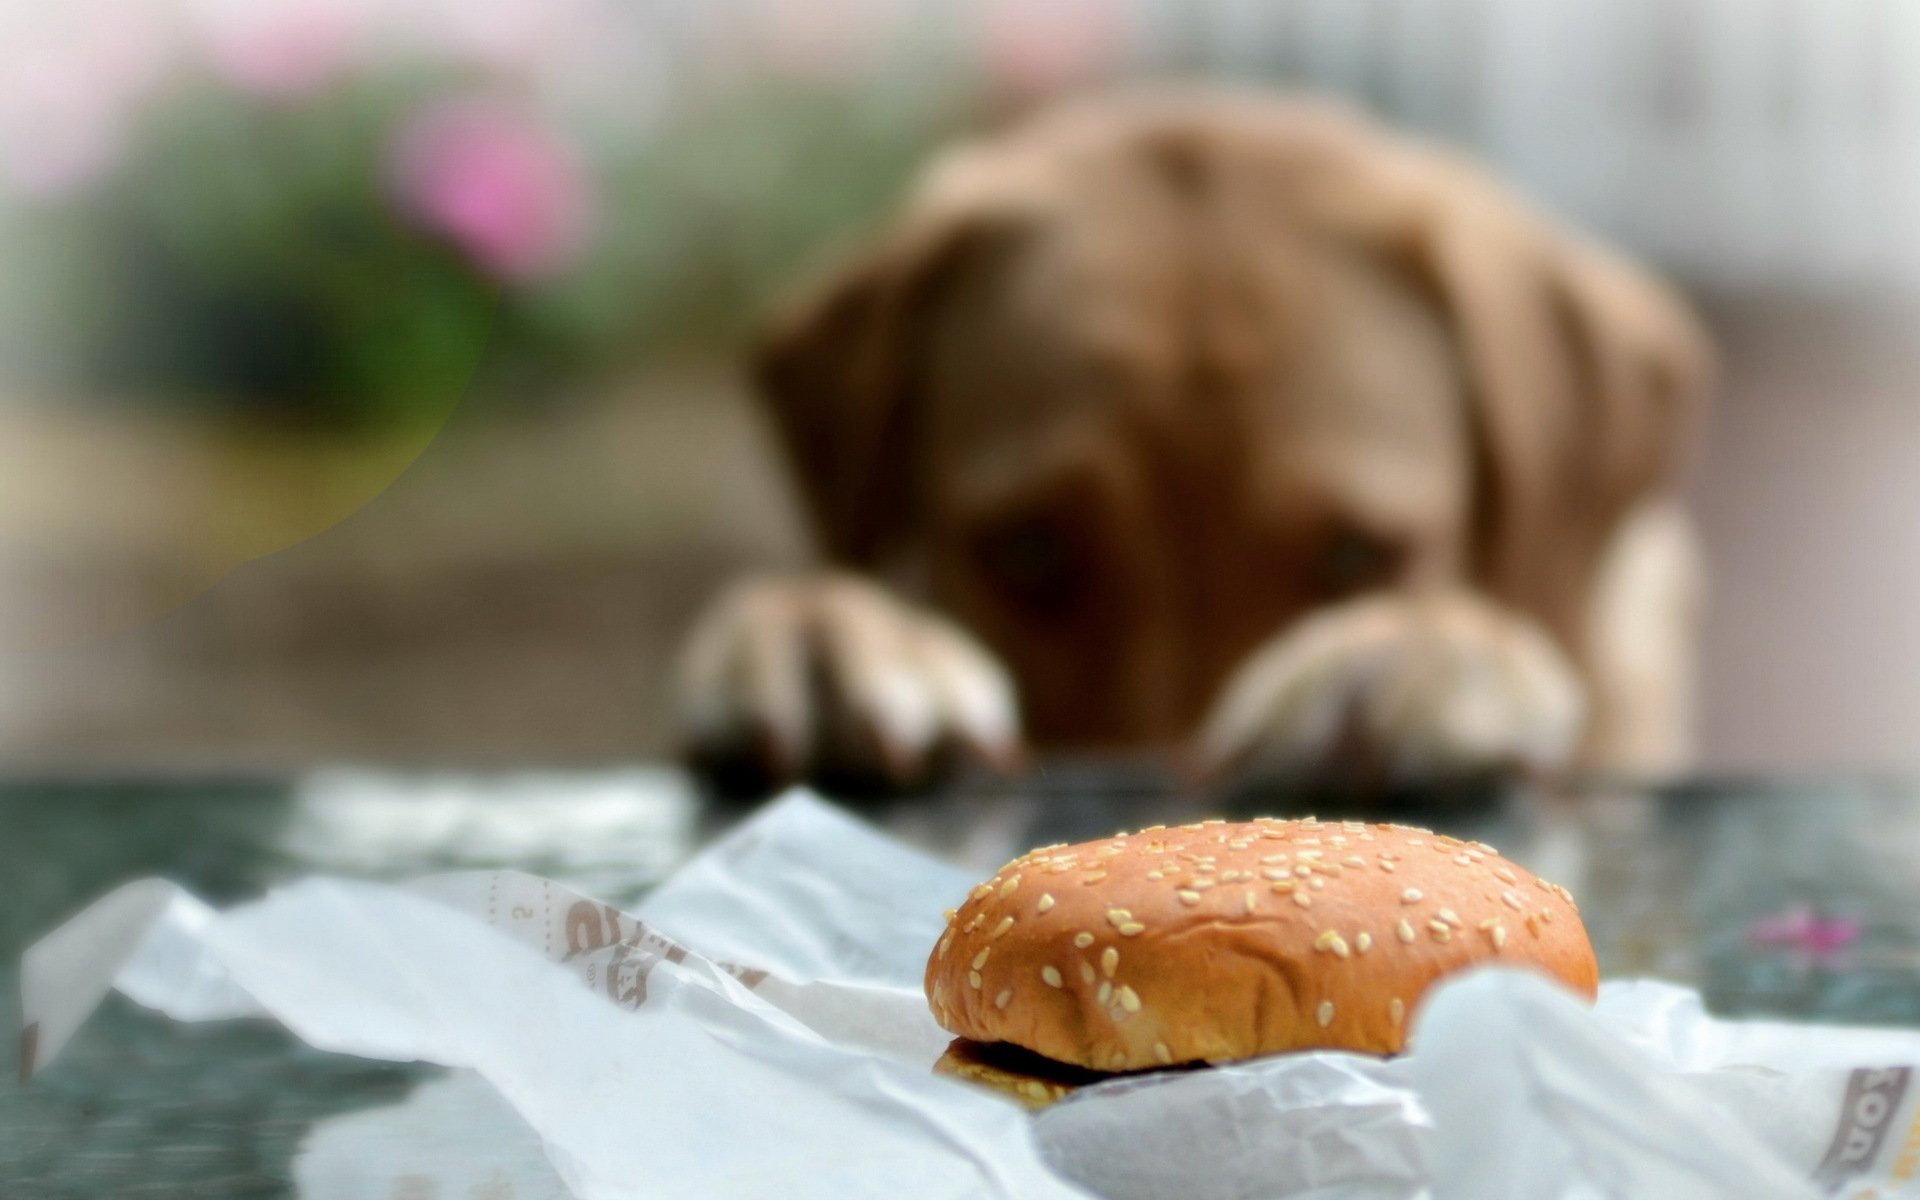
(369, 371)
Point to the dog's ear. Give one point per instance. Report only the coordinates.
(843, 371)
(1585, 379)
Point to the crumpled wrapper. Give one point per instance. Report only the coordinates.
(758, 1028)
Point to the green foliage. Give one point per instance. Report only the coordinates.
(250, 254)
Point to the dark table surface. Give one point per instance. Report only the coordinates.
(1793, 898)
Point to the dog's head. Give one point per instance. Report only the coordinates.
(1138, 385)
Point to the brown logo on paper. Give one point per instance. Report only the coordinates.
(1866, 1114)
(636, 948)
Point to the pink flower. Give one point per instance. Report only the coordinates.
(1036, 47)
(281, 49)
(1809, 936)
(498, 183)
(72, 77)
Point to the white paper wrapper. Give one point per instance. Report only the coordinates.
(758, 1028)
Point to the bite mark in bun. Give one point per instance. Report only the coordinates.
(1216, 942)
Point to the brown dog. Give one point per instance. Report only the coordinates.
(1228, 417)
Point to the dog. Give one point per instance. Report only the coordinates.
(1223, 421)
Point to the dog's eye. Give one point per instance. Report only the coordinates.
(1354, 560)
(1033, 563)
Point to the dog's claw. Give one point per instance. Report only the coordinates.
(1398, 689)
(831, 676)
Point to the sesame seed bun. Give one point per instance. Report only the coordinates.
(1216, 942)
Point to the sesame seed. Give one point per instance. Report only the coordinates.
(1188, 897)
(1442, 932)
(1131, 928)
(1324, 1014)
(1404, 930)
(1411, 896)
(1129, 999)
(1199, 885)
(1283, 887)
(1316, 883)
(1542, 884)
(1086, 973)
(983, 891)
(1161, 1052)
(1117, 1059)
(1310, 854)
(1416, 841)
(1156, 874)
(1118, 916)
(1387, 866)
(1533, 924)
(1396, 1010)
(1513, 901)
(1449, 916)
(1004, 998)
(1046, 902)
(980, 959)
(1546, 914)
(1274, 873)
(1363, 941)
(1273, 858)
(1331, 940)
(973, 980)
(1354, 860)
(1051, 975)
(1463, 860)
(1109, 961)
(1007, 888)
(1506, 874)
(1000, 930)
(1499, 937)
(1083, 939)
(944, 943)
(1252, 903)
(1303, 870)
(1091, 878)
(974, 924)
(1105, 994)
(950, 913)
(1303, 899)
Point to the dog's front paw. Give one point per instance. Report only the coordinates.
(1396, 689)
(828, 677)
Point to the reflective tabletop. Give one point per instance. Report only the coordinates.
(1791, 898)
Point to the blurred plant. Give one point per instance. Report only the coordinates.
(347, 212)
